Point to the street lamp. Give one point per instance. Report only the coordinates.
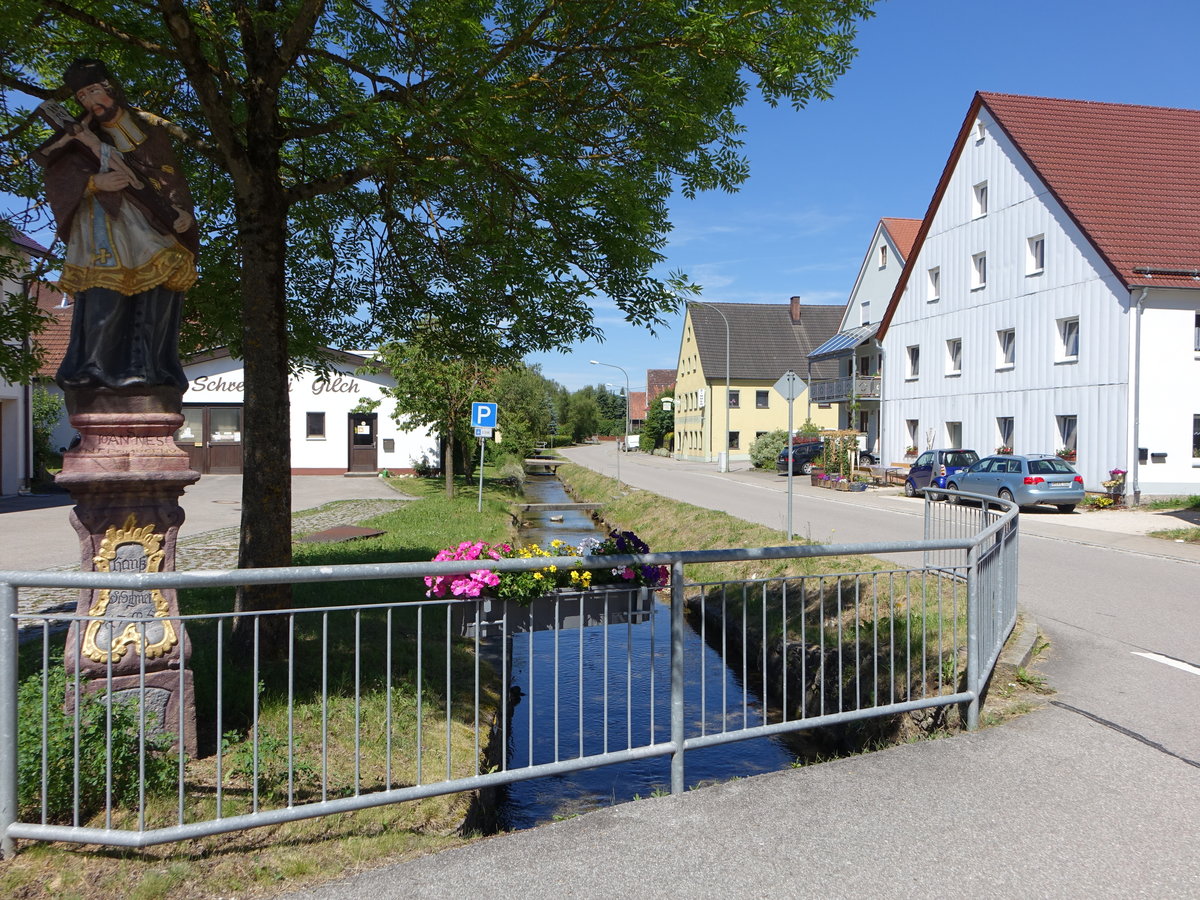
(725, 464)
(624, 437)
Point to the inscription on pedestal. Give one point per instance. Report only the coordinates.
(129, 549)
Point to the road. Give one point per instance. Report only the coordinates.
(1096, 795)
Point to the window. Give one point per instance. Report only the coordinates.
(1198, 332)
(978, 271)
(1068, 340)
(911, 426)
(1067, 427)
(1006, 348)
(954, 356)
(979, 205)
(934, 291)
(1035, 256)
(225, 424)
(758, 434)
(1004, 434)
(980, 131)
(762, 399)
(883, 257)
(1195, 439)
(865, 309)
(735, 399)
(914, 362)
(954, 434)
(824, 406)
(315, 427)
(735, 438)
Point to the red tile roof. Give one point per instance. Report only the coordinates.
(1128, 175)
(28, 244)
(58, 331)
(903, 233)
(637, 406)
(659, 380)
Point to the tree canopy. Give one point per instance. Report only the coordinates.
(362, 168)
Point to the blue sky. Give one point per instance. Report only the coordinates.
(821, 178)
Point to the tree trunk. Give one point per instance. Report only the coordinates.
(448, 463)
(266, 538)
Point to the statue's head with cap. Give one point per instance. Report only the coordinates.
(94, 87)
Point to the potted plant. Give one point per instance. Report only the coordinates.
(549, 597)
(1066, 453)
(1004, 450)
(910, 450)
(1115, 486)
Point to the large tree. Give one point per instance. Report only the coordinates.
(360, 166)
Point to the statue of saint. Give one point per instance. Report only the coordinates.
(123, 208)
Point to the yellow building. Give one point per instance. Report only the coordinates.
(754, 344)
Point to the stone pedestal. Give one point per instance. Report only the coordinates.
(126, 477)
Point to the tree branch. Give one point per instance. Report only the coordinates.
(111, 30)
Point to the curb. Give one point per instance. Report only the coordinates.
(1018, 649)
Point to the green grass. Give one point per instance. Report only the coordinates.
(266, 860)
(1172, 503)
(1186, 535)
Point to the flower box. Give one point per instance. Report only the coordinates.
(562, 609)
(840, 485)
(858, 486)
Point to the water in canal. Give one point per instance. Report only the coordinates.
(627, 666)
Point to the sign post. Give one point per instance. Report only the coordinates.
(791, 386)
(483, 421)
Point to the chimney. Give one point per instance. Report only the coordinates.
(795, 310)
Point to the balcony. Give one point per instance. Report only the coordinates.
(840, 390)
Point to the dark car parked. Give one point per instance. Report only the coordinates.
(932, 468)
(803, 456)
(1025, 480)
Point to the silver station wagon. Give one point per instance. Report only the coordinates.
(1025, 480)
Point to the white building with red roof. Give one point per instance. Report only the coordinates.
(1052, 298)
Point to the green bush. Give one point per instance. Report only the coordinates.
(161, 766)
(765, 450)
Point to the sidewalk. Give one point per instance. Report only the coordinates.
(36, 533)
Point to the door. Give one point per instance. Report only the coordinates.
(363, 451)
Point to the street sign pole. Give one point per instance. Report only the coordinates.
(791, 386)
(479, 508)
(791, 404)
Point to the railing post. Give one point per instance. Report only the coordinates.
(8, 717)
(973, 636)
(677, 734)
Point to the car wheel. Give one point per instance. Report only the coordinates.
(910, 489)
(1066, 507)
(934, 496)
(954, 487)
(1006, 494)
(806, 468)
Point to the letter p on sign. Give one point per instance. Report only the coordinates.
(483, 415)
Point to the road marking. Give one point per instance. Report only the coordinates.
(1168, 661)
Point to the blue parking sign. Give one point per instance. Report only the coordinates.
(483, 415)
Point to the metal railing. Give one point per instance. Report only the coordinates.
(312, 711)
(865, 387)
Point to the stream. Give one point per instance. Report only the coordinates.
(633, 662)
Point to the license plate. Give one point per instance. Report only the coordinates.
(1061, 484)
